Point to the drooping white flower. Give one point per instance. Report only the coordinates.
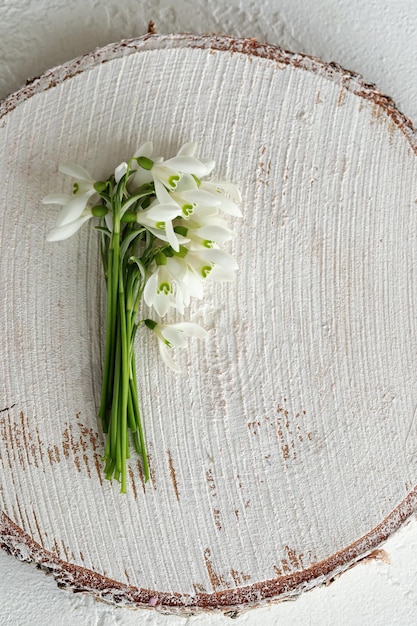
(76, 209)
(188, 198)
(168, 172)
(174, 336)
(64, 231)
(83, 189)
(164, 287)
(158, 220)
(67, 229)
(206, 235)
(227, 194)
(209, 263)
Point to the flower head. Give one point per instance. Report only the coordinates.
(76, 208)
(174, 336)
(168, 172)
(64, 228)
(158, 220)
(165, 288)
(73, 205)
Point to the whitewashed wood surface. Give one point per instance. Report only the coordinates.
(288, 449)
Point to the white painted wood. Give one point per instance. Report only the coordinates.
(291, 435)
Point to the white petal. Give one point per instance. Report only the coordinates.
(188, 149)
(191, 330)
(166, 357)
(161, 303)
(220, 257)
(162, 194)
(108, 218)
(149, 291)
(229, 207)
(187, 183)
(76, 171)
(73, 210)
(141, 177)
(201, 213)
(226, 204)
(175, 336)
(120, 171)
(173, 241)
(221, 274)
(63, 232)
(202, 198)
(195, 285)
(223, 186)
(162, 212)
(177, 267)
(190, 165)
(145, 150)
(181, 300)
(157, 232)
(215, 233)
(197, 220)
(57, 198)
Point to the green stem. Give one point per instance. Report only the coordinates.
(111, 322)
(109, 349)
(138, 418)
(119, 408)
(114, 418)
(124, 389)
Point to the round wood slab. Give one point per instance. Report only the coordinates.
(287, 450)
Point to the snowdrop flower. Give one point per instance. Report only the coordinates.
(174, 336)
(165, 287)
(169, 172)
(158, 220)
(212, 263)
(188, 198)
(83, 190)
(175, 280)
(205, 235)
(227, 194)
(63, 231)
(76, 209)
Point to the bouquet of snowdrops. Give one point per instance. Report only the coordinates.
(162, 228)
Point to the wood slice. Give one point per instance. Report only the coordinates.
(288, 449)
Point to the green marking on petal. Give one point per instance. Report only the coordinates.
(207, 243)
(205, 271)
(187, 209)
(160, 225)
(164, 288)
(173, 181)
(75, 188)
(197, 180)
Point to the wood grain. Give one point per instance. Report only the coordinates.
(288, 450)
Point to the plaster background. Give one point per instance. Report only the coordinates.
(377, 39)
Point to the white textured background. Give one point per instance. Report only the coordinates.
(378, 39)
